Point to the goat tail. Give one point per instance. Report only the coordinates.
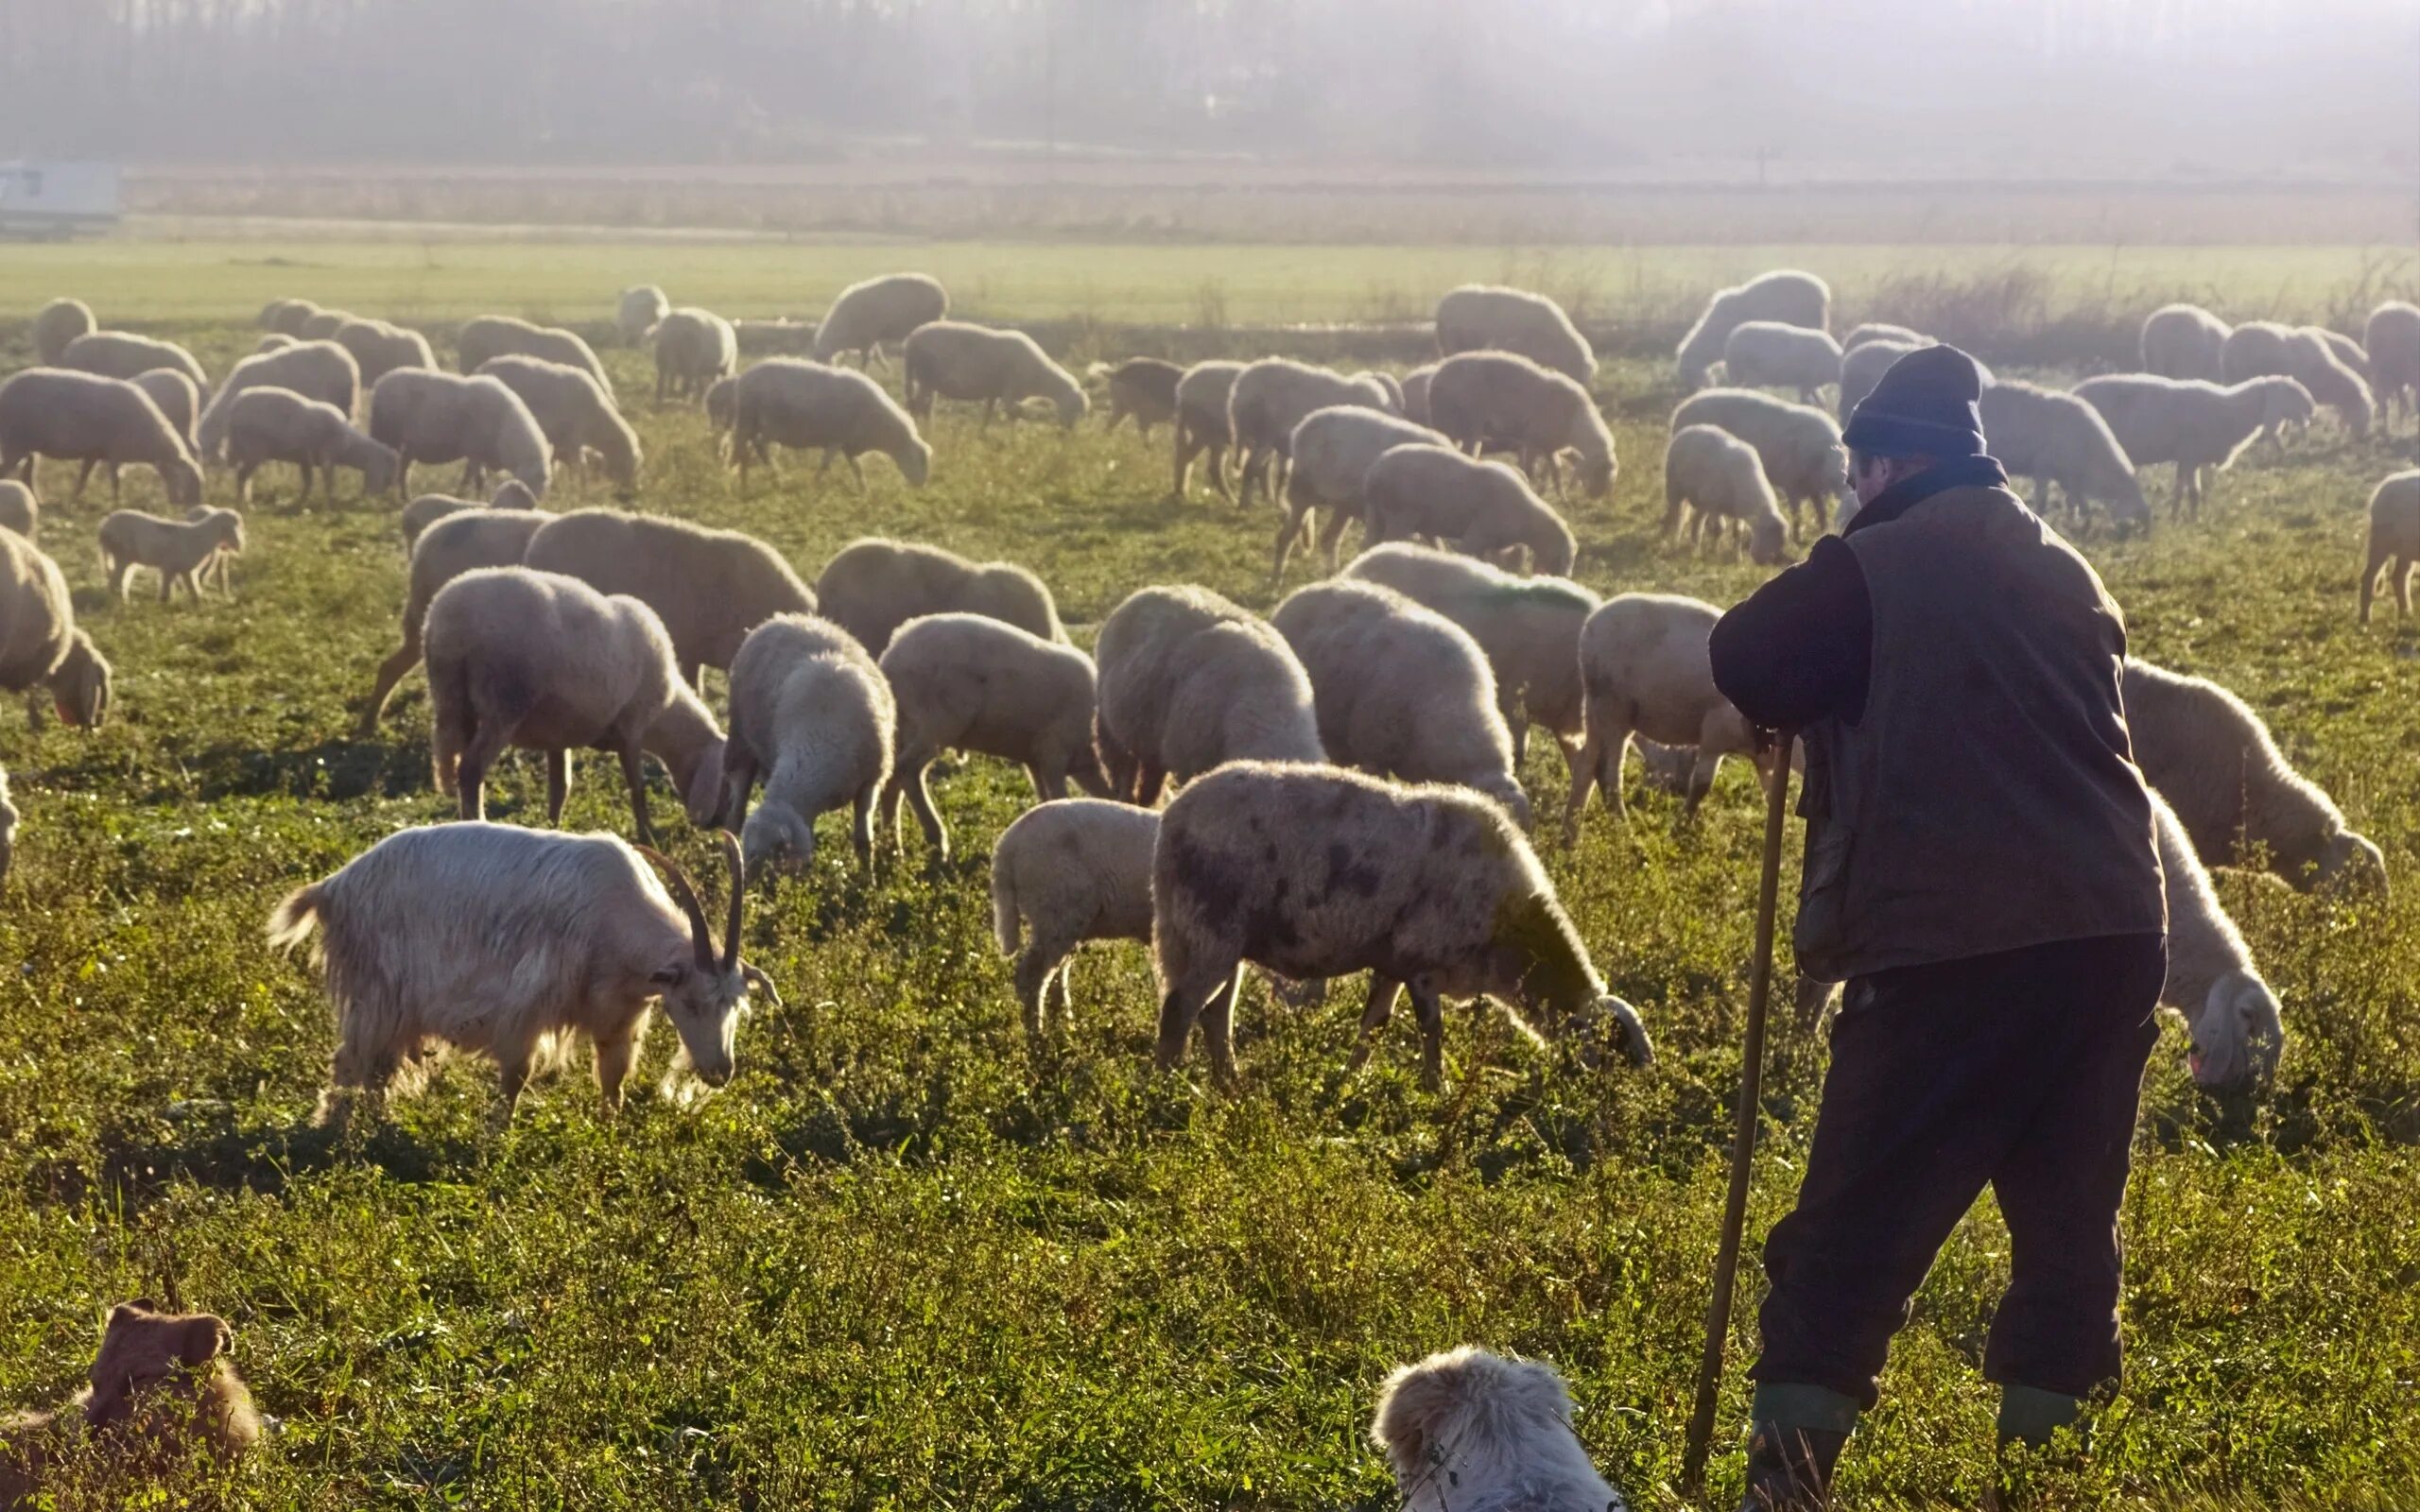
(1004, 924)
(291, 922)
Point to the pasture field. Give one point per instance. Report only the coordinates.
(906, 1260)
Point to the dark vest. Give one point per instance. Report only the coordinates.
(1987, 800)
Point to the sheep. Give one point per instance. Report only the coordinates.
(1862, 367)
(486, 337)
(2193, 423)
(83, 417)
(176, 398)
(20, 510)
(321, 324)
(1646, 671)
(1467, 1431)
(1064, 872)
(444, 551)
(2261, 348)
(1401, 691)
(124, 355)
(1797, 445)
(58, 323)
(969, 682)
(1201, 422)
(2056, 438)
(2344, 350)
(40, 643)
(316, 369)
(792, 402)
(160, 1390)
(2394, 537)
(865, 314)
(576, 416)
(1772, 354)
(546, 662)
(1786, 296)
(266, 425)
(1333, 450)
(1478, 317)
(952, 359)
(178, 550)
(427, 509)
(1415, 393)
(872, 586)
(7, 826)
(493, 939)
(1481, 398)
(709, 587)
(2212, 980)
(436, 416)
(692, 347)
(2215, 761)
(1480, 509)
(641, 306)
(381, 349)
(1313, 872)
(2184, 342)
(285, 317)
(1872, 331)
(2391, 337)
(1142, 388)
(1189, 681)
(721, 404)
(1268, 397)
(274, 341)
(1716, 473)
(813, 715)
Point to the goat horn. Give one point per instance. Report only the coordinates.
(738, 892)
(700, 942)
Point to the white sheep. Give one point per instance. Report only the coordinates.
(1401, 691)
(2193, 423)
(175, 396)
(1332, 451)
(969, 682)
(1480, 509)
(2395, 542)
(872, 586)
(813, 715)
(710, 586)
(637, 313)
(1064, 872)
(1481, 400)
(1201, 422)
(787, 402)
(1467, 1431)
(1788, 296)
(1189, 681)
(484, 339)
(1883, 331)
(1797, 445)
(2212, 980)
(40, 643)
(2184, 341)
(952, 359)
(266, 425)
(380, 348)
(444, 551)
(58, 323)
(1772, 354)
(316, 369)
(2260, 347)
(2346, 350)
(286, 317)
(1862, 367)
(1140, 388)
(2056, 438)
(125, 354)
(20, 510)
(693, 348)
(1718, 475)
(889, 308)
(2392, 338)
(1313, 871)
(1480, 317)
(82, 416)
(1415, 393)
(180, 551)
(1270, 398)
(721, 404)
(574, 413)
(436, 417)
(323, 324)
(1647, 673)
(512, 943)
(416, 517)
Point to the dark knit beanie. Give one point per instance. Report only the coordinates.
(1924, 407)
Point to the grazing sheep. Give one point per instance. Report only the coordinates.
(1202, 424)
(82, 416)
(1401, 691)
(788, 402)
(2261, 348)
(20, 510)
(1268, 397)
(492, 938)
(180, 551)
(266, 425)
(40, 643)
(2184, 342)
(1647, 673)
(1467, 1431)
(641, 306)
(812, 714)
(161, 1389)
(483, 338)
(8, 826)
(1481, 318)
(1480, 508)
(436, 417)
(970, 682)
(1143, 388)
(2215, 761)
(444, 551)
(1189, 681)
(1415, 393)
(1333, 450)
(2212, 980)
(889, 308)
(430, 508)
(1064, 872)
(2391, 337)
(286, 318)
(721, 404)
(952, 359)
(872, 586)
(1798, 445)
(1312, 872)
(323, 324)
(1483, 398)
(1714, 473)
(709, 587)
(381, 349)
(316, 369)
(2346, 350)
(1872, 331)
(1862, 367)
(176, 397)
(1771, 354)
(2056, 438)
(2394, 539)
(692, 347)
(274, 341)
(57, 324)
(2192, 423)
(124, 355)
(1786, 296)
(574, 414)
(544, 662)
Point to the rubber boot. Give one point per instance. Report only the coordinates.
(2032, 1420)
(1795, 1438)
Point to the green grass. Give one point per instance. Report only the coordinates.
(903, 1259)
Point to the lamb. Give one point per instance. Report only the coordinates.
(1797, 445)
(180, 551)
(872, 586)
(2262, 348)
(58, 323)
(381, 349)
(444, 551)
(2394, 539)
(483, 338)
(2212, 980)
(2391, 337)
(970, 682)
(430, 508)
(493, 939)
(436, 416)
(82, 416)
(1883, 331)
(285, 317)
(1788, 296)
(2193, 423)
(7, 826)
(1142, 388)
(812, 714)
(1313, 872)
(2057, 438)
(161, 1387)
(788, 402)
(1481, 398)
(2215, 761)
(40, 643)
(2184, 342)
(1187, 681)
(316, 369)
(638, 311)
(1064, 872)
(1480, 508)
(1415, 393)
(692, 347)
(266, 425)
(1201, 422)
(1771, 354)
(1401, 691)
(574, 414)
(1709, 469)
(1333, 450)
(711, 588)
(124, 355)
(952, 359)
(1478, 317)
(889, 308)
(1467, 1431)
(20, 510)
(1647, 672)
(321, 324)
(546, 662)
(1268, 397)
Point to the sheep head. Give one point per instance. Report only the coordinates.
(776, 836)
(80, 684)
(2237, 1036)
(143, 1350)
(1431, 1410)
(183, 480)
(380, 465)
(705, 990)
(915, 461)
(1766, 536)
(1597, 476)
(2352, 863)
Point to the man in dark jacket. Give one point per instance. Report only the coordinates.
(1980, 871)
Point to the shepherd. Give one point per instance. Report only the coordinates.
(1980, 870)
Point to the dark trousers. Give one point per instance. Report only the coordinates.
(2020, 1071)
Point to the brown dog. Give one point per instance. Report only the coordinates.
(162, 1383)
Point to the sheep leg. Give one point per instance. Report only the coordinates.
(512, 1073)
(1296, 517)
(244, 472)
(1430, 1010)
(1610, 757)
(1219, 472)
(1186, 451)
(633, 774)
(1332, 537)
(2403, 587)
(615, 1053)
(1041, 959)
(1149, 779)
(927, 817)
(390, 672)
(480, 748)
(861, 826)
(858, 469)
(1377, 1010)
(83, 474)
(558, 786)
(1702, 777)
(2370, 582)
(739, 781)
(304, 468)
(167, 581)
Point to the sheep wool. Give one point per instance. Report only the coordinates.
(1719, 476)
(889, 309)
(1064, 872)
(2395, 542)
(1788, 296)
(1478, 317)
(1189, 681)
(1646, 674)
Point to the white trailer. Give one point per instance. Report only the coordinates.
(53, 200)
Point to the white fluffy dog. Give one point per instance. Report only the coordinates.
(1467, 1431)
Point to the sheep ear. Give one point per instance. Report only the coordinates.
(204, 1337)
